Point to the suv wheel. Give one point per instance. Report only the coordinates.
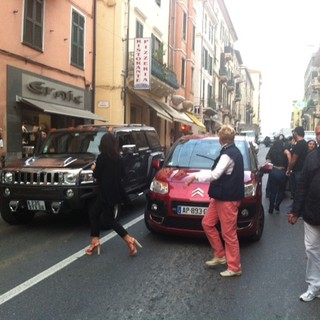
(260, 225)
(15, 218)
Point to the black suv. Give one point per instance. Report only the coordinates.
(58, 179)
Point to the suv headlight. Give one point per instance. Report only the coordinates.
(86, 176)
(8, 177)
(70, 178)
(159, 187)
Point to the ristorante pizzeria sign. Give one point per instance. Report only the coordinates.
(142, 63)
(49, 91)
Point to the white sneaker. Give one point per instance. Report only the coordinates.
(230, 273)
(216, 261)
(309, 296)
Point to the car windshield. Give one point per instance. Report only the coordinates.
(201, 153)
(72, 142)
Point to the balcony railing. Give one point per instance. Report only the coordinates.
(164, 74)
(230, 85)
(237, 97)
(158, 70)
(223, 73)
(315, 84)
(228, 51)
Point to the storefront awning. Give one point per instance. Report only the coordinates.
(62, 110)
(154, 105)
(201, 126)
(175, 114)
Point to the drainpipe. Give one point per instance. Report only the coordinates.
(93, 98)
(201, 58)
(126, 65)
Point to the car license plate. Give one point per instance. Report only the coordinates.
(36, 205)
(194, 211)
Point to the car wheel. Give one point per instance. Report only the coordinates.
(16, 218)
(260, 225)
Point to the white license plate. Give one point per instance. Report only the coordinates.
(193, 211)
(36, 205)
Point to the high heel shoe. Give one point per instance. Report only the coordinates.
(133, 243)
(93, 247)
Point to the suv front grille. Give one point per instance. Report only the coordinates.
(38, 178)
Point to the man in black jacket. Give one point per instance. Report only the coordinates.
(307, 204)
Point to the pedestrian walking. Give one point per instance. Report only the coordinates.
(108, 173)
(279, 156)
(299, 152)
(307, 204)
(226, 190)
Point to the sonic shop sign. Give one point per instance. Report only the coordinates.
(49, 91)
(142, 63)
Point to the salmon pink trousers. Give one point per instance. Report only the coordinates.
(227, 213)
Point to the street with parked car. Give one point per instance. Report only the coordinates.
(45, 273)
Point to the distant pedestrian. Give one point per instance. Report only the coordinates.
(279, 156)
(307, 204)
(226, 190)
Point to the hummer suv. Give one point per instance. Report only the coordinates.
(58, 179)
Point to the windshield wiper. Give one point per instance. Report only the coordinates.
(203, 156)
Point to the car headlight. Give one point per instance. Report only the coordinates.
(249, 190)
(86, 176)
(70, 178)
(159, 187)
(8, 177)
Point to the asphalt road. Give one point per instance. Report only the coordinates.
(45, 275)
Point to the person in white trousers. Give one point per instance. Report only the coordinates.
(306, 204)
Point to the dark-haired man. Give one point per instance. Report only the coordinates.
(299, 152)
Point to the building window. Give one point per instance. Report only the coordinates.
(209, 91)
(77, 39)
(183, 72)
(184, 26)
(157, 49)
(193, 37)
(192, 79)
(205, 58)
(33, 24)
(139, 29)
(158, 2)
(210, 65)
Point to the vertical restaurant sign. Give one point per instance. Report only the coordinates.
(142, 63)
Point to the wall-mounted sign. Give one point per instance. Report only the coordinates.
(103, 104)
(49, 91)
(142, 63)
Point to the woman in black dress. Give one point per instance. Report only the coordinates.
(107, 171)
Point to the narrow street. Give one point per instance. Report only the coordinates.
(166, 280)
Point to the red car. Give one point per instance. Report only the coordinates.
(176, 209)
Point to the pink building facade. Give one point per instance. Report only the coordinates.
(46, 68)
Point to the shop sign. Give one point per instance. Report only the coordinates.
(142, 63)
(49, 91)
